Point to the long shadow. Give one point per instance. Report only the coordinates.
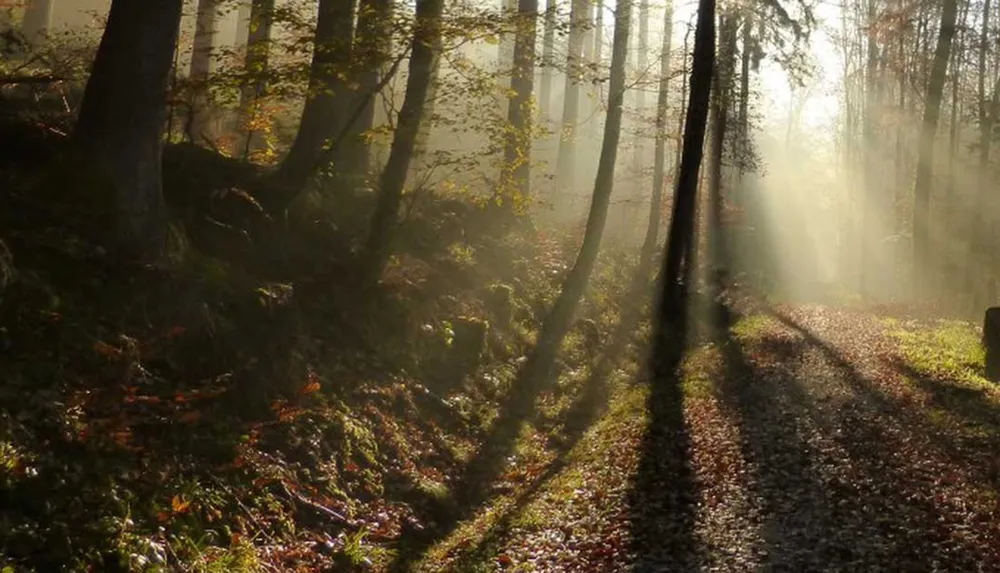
(892, 506)
(473, 488)
(662, 493)
(581, 415)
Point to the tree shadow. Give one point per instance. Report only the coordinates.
(474, 485)
(891, 505)
(661, 496)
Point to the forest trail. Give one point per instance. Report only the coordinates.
(813, 439)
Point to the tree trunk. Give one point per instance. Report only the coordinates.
(421, 69)
(256, 63)
(122, 115)
(201, 68)
(743, 113)
(925, 165)
(515, 186)
(565, 163)
(560, 319)
(869, 212)
(371, 52)
(660, 148)
(719, 113)
(37, 20)
(328, 96)
(680, 239)
(548, 60)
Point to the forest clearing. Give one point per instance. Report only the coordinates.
(499, 285)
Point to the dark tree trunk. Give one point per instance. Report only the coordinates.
(325, 107)
(925, 165)
(123, 112)
(560, 319)
(371, 52)
(991, 342)
(660, 148)
(515, 180)
(421, 69)
(680, 239)
(256, 63)
(719, 112)
(201, 67)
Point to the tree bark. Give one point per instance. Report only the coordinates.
(925, 165)
(673, 288)
(560, 318)
(565, 163)
(516, 177)
(372, 50)
(719, 116)
(323, 114)
(660, 148)
(201, 67)
(37, 20)
(421, 69)
(122, 115)
(548, 60)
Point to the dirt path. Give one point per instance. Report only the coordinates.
(805, 445)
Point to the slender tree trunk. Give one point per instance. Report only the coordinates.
(560, 319)
(548, 60)
(201, 68)
(421, 70)
(660, 148)
(371, 52)
(565, 163)
(516, 179)
(719, 116)
(869, 213)
(743, 113)
(925, 165)
(326, 101)
(122, 115)
(682, 222)
(259, 22)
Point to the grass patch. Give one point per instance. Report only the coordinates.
(950, 349)
(753, 327)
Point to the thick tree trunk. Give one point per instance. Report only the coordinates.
(565, 163)
(371, 52)
(560, 319)
(421, 69)
(515, 186)
(259, 22)
(201, 68)
(660, 148)
(925, 165)
(680, 240)
(37, 20)
(328, 96)
(122, 115)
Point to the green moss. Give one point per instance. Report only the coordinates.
(753, 327)
(951, 349)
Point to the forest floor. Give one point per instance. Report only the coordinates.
(810, 438)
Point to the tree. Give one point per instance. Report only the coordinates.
(421, 69)
(371, 52)
(719, 117)
(37, 19)
(660, 148)
(259, 22)
(571, 95)
(548, 56)
(560, 317)
(932, 108)
(201, 63)
(517, 148)
(122, 114)
(324, 112)
(680, 238)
